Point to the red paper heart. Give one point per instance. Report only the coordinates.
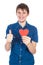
(24, 32)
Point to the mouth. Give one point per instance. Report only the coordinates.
(21, 18)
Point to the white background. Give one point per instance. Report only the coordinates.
(8, 16)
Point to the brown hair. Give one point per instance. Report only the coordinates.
(23, 6)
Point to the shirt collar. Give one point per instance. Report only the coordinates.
(21, 26)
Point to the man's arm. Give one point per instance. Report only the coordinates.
(32, 47)
(8, 41)
(7, 46)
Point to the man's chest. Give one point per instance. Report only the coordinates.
(19, 32)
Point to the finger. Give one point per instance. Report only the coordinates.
(23, 37)
(10, 32)
(26, 37)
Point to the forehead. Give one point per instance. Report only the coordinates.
(23, 10)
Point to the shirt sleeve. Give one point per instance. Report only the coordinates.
(7, 30)
(35, 35)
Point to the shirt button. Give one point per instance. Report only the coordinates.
(21, 42)
(20, 56)
(20, 49)
(19, 61)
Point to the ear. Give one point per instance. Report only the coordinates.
(27, 14)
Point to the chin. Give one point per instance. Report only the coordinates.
(21, 21)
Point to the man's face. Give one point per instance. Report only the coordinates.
(21, 15)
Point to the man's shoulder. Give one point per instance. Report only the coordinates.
(32, 26)
(12, 25)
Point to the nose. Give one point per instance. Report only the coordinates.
(21, 14)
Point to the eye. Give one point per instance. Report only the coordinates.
(23, 12)
(19, 12)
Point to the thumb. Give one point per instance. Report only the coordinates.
(10, 32)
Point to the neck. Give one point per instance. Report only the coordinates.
(22, 23)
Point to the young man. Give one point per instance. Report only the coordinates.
(21, 38)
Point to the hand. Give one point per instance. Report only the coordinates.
(26, 40)
(10, 36)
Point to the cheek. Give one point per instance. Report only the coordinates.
(25, 15)
(18, 16)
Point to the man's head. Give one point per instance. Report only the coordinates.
(22, 12)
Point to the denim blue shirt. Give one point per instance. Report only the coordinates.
(20, 54)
